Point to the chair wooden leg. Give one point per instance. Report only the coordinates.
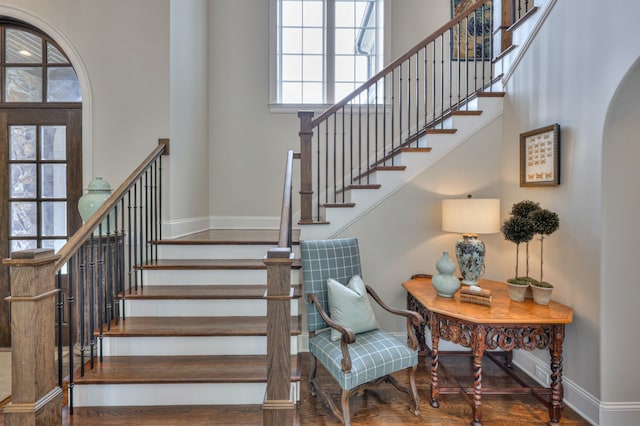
(346, 408)
(414, 390)
(312, 376)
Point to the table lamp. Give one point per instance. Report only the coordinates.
(471, 216)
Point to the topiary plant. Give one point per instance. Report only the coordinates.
(545, 223)
(524, 209)
(518, 230)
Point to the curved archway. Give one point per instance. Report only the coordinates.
(621, 227)
(81, 72)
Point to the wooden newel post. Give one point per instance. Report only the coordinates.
(36, 398)
(306, 185)
(279, 403)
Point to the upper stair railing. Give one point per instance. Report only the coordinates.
(82, 289)
(395, 109)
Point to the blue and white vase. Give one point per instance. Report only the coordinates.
(470, 255)
(445, 283)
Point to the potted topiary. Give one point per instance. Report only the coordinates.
(518, 230)
(545, 223)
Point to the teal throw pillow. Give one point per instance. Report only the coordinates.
(349, 306)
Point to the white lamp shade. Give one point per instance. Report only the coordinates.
(471, 215)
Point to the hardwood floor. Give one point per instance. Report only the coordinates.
(383, 406)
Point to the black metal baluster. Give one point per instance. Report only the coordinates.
(441, 80)
(130, 241)
(351, 142)
(384, 120)
(417, 96)
(425, 86)
(319, 172)
(393, 108)
(109, 284)
(344, 165)
(70, 321)
(376, 122)
(142, 233)
(82, 271)
(335, 160)
(359, 142)
(459, 63)
(433, 72)
(467, 54)
(134, 236)
(60, 313)
(100, 288)
(141, 243)
(92, 301)
(326, 161)
(400, 104)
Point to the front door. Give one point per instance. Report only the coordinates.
(41, 176)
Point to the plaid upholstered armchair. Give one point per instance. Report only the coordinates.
(343, 333)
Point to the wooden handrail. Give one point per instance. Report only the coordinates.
(285, 214)
(386, 70)
(85, 231)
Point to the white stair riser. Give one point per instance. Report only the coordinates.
(199, 308)
(210, 276)
(188, 345)
(168, 394)
(204, 251)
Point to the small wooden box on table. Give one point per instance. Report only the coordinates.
(505, 324)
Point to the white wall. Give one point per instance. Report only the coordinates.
(403, 235)
(248, 142)
(573, 85)
(122, 53)
(188, 195)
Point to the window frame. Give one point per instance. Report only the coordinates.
(276, 106)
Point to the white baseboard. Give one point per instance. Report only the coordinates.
(178, 228)
(580, 401)
(181, 227)
(620, 413)
(245, 222)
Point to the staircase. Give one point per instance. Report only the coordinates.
(383, 181)
(194, 336)
(193, 340)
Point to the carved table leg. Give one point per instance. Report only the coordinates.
(555, 348)
(414, 305)
(478, 346)
(434, 327)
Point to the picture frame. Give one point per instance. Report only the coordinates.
(540, 157)
(471, 38)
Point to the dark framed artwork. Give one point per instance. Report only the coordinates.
(471, 39)
(540, 156)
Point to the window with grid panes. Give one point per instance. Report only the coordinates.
(326, 48)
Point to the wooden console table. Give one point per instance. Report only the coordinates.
(505, 324)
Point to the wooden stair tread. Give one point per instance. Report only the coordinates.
(162, 415)
(339, 205)
(491, 94)
(464, 112)
(210, 264)
(231, 236)
(182, 369)
(194, 326)
(200, 292)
